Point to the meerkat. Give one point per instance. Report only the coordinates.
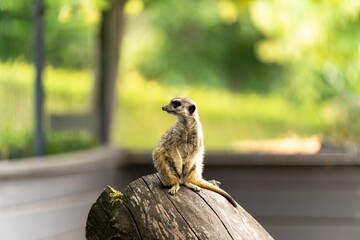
(178, 157)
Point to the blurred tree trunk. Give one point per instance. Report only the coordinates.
(109, 41)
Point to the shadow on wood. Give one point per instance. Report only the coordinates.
(147, 211)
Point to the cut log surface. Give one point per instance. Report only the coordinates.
(147, 211)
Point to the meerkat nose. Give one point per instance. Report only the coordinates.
(163, 108)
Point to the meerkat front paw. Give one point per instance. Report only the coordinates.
(174, 189)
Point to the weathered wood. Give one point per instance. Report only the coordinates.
(109, 221)
(147, 211)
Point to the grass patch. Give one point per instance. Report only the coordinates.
(139, 122)
(65, 91)
(226, 117)
(16, 144)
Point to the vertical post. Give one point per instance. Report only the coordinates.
(110, 36)
(39, 146)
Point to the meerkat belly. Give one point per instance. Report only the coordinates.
(186, 150)
(188, 154)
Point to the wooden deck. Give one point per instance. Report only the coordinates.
(293, 197)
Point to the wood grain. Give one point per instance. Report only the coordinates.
(147, 211)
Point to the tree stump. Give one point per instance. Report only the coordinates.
(147, 211)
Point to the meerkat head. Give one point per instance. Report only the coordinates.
(181, 107)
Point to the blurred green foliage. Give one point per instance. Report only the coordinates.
(253, 45)
(306, 51)
(67, 23)
(67, 91)
(317, 42)
(19, 144)
(15, 29)
(193, 45)
(227, 117)
(139, 122)
(258, 68)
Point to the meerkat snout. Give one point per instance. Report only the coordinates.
(167, 109)
(173, 107)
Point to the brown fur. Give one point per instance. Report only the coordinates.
(178, 157)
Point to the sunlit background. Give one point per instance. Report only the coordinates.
(269, 76)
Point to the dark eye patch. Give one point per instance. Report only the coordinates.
(175, 103)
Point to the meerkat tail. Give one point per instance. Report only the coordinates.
(205, 184)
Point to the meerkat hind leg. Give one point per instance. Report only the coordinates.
(215, 183)
(191, 179)
(192, 186)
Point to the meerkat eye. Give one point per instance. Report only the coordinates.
(175, 103)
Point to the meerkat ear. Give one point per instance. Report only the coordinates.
(192, 109)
